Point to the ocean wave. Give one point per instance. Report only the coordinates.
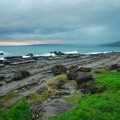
(4, 53)
(71, 52)
(52, 54)
(96, 53)
(48, 54)
(2, 58)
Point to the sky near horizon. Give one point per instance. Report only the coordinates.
(59, 21)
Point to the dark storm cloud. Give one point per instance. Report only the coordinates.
(71, 21)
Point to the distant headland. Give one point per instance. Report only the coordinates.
(115, 44)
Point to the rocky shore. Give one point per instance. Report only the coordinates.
(24, 77)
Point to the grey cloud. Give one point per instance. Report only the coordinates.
(83, 21)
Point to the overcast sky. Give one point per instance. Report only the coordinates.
(59, 21)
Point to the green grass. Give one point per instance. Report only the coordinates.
(8, 97)
(18, 111)
(102, 106)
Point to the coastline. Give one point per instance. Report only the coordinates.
(38, 71)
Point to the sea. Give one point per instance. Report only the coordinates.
(45, 49)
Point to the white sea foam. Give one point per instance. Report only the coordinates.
(71, 52)
(2, 52)
(5, 54)
(96, 53)
(48, 54)
(2, 59)
(25, 56)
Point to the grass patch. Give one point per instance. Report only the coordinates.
(74, 98)
(103, 106)
(40, 97)
(18, 111)
(8, 97)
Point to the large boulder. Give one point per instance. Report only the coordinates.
(18, 75)
(83, 78)
(113, 67)
(59, 53)
(30, 54)
(118, 69)
(73, 68)
(2, 78)
(58, 69)
(1, 53)
(71, 74)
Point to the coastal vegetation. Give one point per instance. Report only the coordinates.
(8, 97)
(102, 106)
(19, 111)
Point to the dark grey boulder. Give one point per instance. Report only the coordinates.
(83, 78)
(113, 67)
(21, 74)
(30, 54)
(118, 69)
(73, 67)
(1, 53)
(58, 53)
(18, 75)
(58, 69)
(2, 78)
(71, 74)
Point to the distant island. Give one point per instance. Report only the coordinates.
(115, 44)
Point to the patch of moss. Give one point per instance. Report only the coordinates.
(8, 97)
(40, 97)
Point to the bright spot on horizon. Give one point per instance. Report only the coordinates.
(28, 42)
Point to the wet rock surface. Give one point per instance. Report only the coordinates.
(55, 107)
